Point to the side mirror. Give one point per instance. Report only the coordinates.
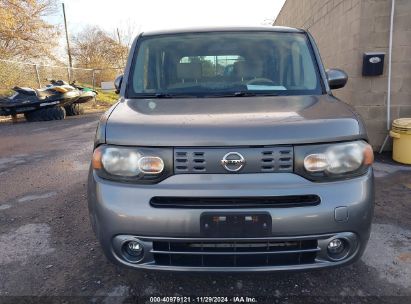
(336, 78)
(117, 83)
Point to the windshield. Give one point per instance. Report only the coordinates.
(224, 64)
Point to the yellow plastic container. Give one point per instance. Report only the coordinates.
(401, 134)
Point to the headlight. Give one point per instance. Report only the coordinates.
(132, 164)
(333, 161)
(121, 161)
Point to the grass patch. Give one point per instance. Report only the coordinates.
(104, 100)
(109, 97)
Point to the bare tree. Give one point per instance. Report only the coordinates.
(128, 30)
(24, 34)
(95, 48)
(125, 34)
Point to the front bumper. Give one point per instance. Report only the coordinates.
(121, 212)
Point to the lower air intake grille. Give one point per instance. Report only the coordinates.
(234, 253)
(235, 202)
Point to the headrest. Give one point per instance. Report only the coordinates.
(189, 70)
(247, 69)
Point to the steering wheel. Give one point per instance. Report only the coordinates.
(262, 81)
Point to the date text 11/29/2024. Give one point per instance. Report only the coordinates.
(204, 299)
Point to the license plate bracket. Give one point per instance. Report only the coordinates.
(235, 224)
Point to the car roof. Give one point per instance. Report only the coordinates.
(224, 29)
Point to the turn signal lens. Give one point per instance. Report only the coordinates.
(96, 161)
(315, 162)
(368, 155)
(151, 165)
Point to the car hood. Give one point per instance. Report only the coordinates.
(232, 121)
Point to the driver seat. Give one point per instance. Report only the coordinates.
(25, 90)
(39, 93)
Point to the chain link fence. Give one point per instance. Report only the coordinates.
(14, 73)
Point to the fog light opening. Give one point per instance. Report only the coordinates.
(335, 246)
(133, 251)
(338, 249)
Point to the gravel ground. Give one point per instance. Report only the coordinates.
(48, 252)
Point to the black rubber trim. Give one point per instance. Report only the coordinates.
(235, 202)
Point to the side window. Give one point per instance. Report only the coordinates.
(140, 79)
(152, 64)
(309, 74)
(298, 69)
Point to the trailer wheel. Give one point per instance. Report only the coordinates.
(73, 109)
(53, 113)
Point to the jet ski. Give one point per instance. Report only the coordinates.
(53, 102)
(40, 104)
(86, 94)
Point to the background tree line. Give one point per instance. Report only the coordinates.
(26, 35)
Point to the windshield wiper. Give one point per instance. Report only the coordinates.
(244, 94)
(161, 95)
(231, 94)
(220, 94)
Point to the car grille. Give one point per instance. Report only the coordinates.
(235, 202)
(257, 160)
(244, 253)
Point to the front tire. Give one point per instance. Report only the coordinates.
(52, 113)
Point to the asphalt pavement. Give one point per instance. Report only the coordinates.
(48, 252)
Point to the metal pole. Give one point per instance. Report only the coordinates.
(68, 74)
(119, 42)
(389, 75)
(94, 79)
(67, 38)
(38, 75)
(389, 66)
(118, 35)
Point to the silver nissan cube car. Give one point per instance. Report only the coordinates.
(227, 151)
